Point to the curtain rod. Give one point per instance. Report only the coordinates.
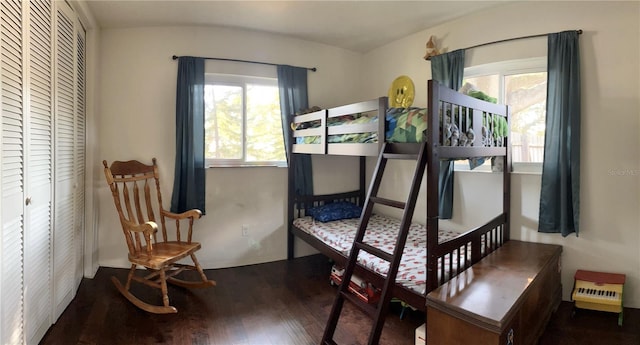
(579, 31)
(175, 57)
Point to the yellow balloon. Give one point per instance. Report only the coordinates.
(401, 92)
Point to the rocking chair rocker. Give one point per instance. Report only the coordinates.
(132, 185)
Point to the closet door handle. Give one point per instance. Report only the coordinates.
(28, 201)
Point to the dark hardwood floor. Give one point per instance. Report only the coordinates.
(284, 302)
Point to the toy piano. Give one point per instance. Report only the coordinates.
(599, 291)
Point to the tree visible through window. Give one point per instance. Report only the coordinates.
(521, 84)
(242, 121)
(526, 95)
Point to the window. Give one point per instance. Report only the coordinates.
(522, 84)
(243, 126)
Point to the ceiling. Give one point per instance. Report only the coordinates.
(354, 25)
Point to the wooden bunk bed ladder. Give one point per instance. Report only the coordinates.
(379, 310)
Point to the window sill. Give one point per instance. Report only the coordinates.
(533, 173)
(283, 165)
(517, 168)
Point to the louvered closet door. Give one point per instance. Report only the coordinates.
(64, 251)
(42, 67)
(37, 264)
(80, 145)
(12, 174)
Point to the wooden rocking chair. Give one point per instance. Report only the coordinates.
(136, 193)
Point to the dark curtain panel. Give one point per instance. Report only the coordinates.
(292, 82)
(560, 188)
(189, 180)
(447, 69)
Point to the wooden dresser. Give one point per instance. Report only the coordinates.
(506, 298)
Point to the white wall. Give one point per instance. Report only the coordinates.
(137, 117)
(610, 165)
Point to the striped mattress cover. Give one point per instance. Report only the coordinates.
(381, 233)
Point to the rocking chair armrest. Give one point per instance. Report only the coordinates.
(195, 214)
(147, 228)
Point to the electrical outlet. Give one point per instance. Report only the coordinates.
(245, 230)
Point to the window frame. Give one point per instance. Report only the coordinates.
(503, 69)
(241, 81)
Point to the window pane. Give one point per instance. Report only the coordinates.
(526, 95)
(489, 84)
(223, 121)
(265, 142)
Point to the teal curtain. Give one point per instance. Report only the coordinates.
(560, 188)
(292, 82)
(189, 181)
(447, 69)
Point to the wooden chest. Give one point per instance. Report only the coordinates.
(506, 298)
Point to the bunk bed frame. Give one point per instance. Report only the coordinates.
(471, 245)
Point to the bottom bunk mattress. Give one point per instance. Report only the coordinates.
(381, 233)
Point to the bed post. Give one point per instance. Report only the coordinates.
(383, 103)
(363, 177)
(433, 172)
(290, 200)
(506, 187)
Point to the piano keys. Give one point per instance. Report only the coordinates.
(599, 291)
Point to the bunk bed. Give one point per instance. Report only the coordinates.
(454, 126)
